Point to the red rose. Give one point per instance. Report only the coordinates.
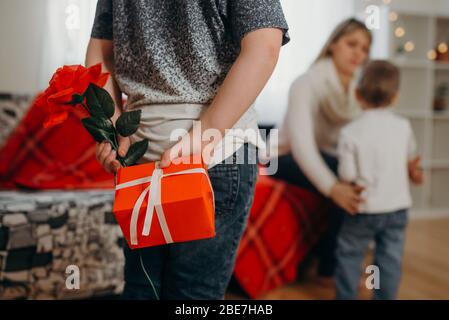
(67, 81)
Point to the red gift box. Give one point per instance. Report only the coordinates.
(156, 206)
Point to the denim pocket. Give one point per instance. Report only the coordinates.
(399, 219)
(225, 183)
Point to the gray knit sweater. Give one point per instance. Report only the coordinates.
(179, 51)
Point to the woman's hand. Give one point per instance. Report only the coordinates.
(107, 156)
(347, 197)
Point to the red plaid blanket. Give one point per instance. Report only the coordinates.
(285, 223)
(62, 157)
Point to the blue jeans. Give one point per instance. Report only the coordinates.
(388, 233)
(197, 270)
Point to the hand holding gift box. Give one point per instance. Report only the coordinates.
(156, 206)
(179, 198)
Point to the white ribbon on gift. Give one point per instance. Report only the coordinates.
(154, 201)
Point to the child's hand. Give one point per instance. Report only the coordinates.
(415, 171)
(191, 144)
(107, 156)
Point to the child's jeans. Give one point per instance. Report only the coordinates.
(388, 232)
(198, 269)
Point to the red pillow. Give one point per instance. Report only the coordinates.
(62, 157)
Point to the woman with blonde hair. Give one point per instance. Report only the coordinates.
(321, 102)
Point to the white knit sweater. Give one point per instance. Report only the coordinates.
(318, 109)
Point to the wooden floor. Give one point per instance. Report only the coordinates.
(425, 270)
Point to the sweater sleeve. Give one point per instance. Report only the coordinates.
(347, 166)
(300, 127)
(102, 27)
(248, 15)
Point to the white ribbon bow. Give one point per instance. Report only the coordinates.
(154, 201)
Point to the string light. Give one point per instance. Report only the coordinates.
(399, 32)
(393, 16)
(432, 55)
(443, 48)
(409, 46)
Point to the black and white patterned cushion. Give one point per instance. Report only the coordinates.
(43, 233)
(12, 110)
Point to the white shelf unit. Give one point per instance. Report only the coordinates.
(420, 77)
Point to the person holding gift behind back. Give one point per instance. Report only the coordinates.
(178, 62)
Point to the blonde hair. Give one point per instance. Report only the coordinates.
(344, 28)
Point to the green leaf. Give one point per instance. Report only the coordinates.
(100, 129)
(128, 123)
(135, 152)
(77, 99)
(93, 104)
(101, 123)
(100, 102)
(106, 101)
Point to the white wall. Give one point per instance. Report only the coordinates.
(310, 22)
(67, 35)
(21, 35)
(35, 40)
(437, 7)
